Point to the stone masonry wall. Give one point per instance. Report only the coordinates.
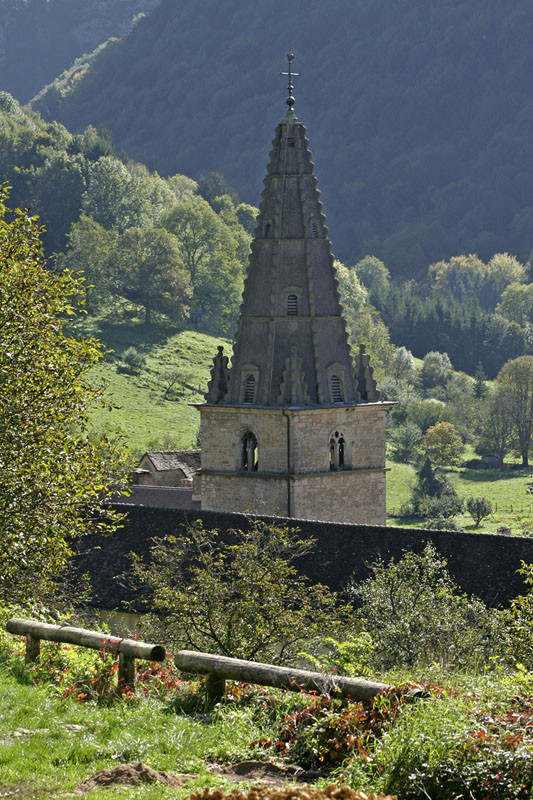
(480, 564)
(244, 492)
(352, 496)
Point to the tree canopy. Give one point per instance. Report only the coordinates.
(419, 117)
(55, 475)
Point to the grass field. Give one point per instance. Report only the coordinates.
(141, 411)
(506, 489)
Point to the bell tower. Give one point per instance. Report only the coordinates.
(293, 427)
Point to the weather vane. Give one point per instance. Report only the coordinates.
(290, 74)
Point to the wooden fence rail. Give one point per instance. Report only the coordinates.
(128, 649)
(220, 668)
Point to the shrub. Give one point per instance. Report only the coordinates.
(328, 730)
(519, 618)
(241, 598)
(416, 615)
(132, 361)
(434, 498)
(439, 512)
(478, 508)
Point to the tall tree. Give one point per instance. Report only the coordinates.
(515, 382)
(55, 477)
(149, 271)
(210, 255)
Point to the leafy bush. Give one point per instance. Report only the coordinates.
(519, 618)
(434, 498)
(439, 512)
(415, 615)
(243, 598)
(132, 361)
(446, 750)
(478, 508)
(327, 731)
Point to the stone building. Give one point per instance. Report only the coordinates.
(293, 427)
(167, 468)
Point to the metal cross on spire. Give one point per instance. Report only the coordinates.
(291, 75)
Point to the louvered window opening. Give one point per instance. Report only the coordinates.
(249, 389)
(336, 392)
(314, 230)
(268, 229)
(290, 141)
(292, 305)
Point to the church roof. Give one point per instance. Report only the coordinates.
(291, 346)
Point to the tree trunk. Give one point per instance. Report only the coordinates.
(147, 315)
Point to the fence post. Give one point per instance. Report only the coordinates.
(33, 649)
(126, 670)
(215, 686)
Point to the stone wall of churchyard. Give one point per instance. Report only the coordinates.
(481, 564)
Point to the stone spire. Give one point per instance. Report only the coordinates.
(291, 306)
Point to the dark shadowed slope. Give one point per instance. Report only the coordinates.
(420, 111)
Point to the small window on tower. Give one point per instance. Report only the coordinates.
(290, 141)
(314, 230)
(268, 230)
(292, 305)
(249, 456)
(336, 391)
(337, 451)
(249, 389)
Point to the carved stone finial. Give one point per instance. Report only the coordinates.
(293, 389)
(366, 385)
(218, 385)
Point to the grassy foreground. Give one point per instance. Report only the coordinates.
(474, 731)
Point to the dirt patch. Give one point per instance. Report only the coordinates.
(131, 775)
(263, 771)
(23, 791)
(264, 792)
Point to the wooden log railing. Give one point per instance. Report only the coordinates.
(127, 649)
(219, 668)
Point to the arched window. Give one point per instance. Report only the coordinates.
(337, 447)
(249, 389)
(314, 230)
(292, 305)
(336, 389)
(249, 452)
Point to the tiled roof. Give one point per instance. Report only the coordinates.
(186, 460)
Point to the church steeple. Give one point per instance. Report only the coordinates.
(291, 305)
(291, 428)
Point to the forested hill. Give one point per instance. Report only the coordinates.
(41, 38)
(419, 112)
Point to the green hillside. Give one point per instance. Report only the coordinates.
(41, 38)
(419, 112)
(142, 409)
